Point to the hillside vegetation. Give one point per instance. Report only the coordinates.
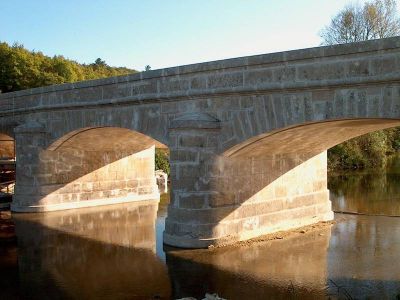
(23, 69)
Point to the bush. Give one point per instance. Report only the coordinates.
(367, 151)
(162, 160)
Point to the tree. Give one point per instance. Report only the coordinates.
(100, 62)
(24, 69)
(147, 68)
(355, 23)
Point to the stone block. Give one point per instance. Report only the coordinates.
(220, 199)
(173, 85)
(193, 200)
(183, 155)
(284, 74)
(144, 190)
(225, 80)
(385, 65)
(358, 68)
(198, 83)
(255, 77)
(145, 87)
(193, 141)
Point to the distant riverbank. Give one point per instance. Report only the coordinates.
(372, 150)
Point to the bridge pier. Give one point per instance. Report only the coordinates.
(73, 177)
(220, 199)
(223, 200)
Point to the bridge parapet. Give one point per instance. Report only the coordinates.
(341, 65)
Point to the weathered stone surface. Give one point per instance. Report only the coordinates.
(247, 137)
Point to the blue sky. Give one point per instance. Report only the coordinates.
(163, 33)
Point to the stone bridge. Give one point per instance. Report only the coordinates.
(247, 137)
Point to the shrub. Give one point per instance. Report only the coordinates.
(367, 151)
(162, 160)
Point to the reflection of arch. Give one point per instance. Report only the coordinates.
(262, 270)
(90, 167)
(95, 252)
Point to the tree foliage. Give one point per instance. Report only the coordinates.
(355, 23)
(367, 151)
(162, 160)
(23, 69)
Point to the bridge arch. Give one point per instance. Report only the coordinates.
(215, 117)
(87, 167)
(270, 182)
(311, 137)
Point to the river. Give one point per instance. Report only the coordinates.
(116, 252)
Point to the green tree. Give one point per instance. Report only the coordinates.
(100, 62)
(24, 69)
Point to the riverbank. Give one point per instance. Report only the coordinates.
(280, 235)
(372, 150)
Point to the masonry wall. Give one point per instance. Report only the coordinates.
(73, 178)
(245, 198)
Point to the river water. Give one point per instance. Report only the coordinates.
(116, 252)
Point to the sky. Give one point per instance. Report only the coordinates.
(164, 33)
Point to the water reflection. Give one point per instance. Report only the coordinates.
(367, 192)
(276, 269)
(364, 257)
(116, 252)
(98, 253)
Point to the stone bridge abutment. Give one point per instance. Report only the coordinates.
(247, 137)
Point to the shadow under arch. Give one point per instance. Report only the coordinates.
(89, 167)
(275, 181)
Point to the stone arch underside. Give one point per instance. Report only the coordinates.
(86, 167)
(312, 137)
